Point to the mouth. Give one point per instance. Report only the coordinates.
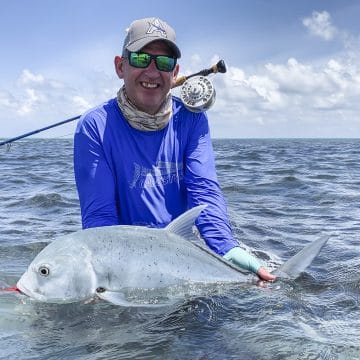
(148, 85)
(31, 294)
(22, 290)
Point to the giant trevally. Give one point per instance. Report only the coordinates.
(109, 262)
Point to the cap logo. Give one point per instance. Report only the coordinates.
(156, 26)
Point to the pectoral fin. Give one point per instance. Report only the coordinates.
(114, 297)
(118, 298)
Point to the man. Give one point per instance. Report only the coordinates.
(143, 158)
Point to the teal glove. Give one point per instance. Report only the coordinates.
(243, 259)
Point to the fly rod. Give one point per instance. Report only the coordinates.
(218, 67)
(39, 130)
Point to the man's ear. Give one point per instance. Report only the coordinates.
(119, 62)
(176, 71)
(175, 74)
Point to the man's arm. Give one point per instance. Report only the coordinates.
(202, 187)
(94, 179)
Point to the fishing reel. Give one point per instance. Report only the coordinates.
(197, 92)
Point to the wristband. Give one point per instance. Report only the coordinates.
(243, 259)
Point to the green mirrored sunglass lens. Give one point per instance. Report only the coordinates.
(165, 63)
(140, 60)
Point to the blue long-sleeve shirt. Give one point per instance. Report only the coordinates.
(128, 176)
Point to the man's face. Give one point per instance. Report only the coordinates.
(147, 88)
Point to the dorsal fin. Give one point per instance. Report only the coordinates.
(183, 224)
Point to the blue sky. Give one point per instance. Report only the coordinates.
(293, 66)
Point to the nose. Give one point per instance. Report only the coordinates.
(152, 69)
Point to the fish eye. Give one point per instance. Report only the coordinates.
(44, 270)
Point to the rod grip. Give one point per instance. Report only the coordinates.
(179, 81)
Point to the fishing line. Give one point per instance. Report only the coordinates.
(10, 289)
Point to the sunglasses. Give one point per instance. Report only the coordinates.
(143, 60)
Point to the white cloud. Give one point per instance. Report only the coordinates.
(294, 77)
(35, 100)
(28, 78)
(287, 96)
(81, 103)
(268, 90)
(31, 100)
(7, 101)
(319, 24)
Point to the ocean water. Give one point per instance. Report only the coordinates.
(281, 195)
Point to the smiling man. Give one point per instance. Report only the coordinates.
(142, 158)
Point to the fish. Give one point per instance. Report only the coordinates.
(114, 261)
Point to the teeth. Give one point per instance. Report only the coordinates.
(149, 85)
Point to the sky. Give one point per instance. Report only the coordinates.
(293, 67)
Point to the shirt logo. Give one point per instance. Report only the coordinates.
(162, 174)
(156, 26)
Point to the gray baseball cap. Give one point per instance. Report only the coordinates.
(144, 31)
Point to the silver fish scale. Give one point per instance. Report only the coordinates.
(128, 256)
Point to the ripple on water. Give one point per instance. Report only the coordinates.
(282, 194)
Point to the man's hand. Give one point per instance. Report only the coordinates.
(265, 275)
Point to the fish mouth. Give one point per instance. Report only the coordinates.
(33, 295)
(22, 290)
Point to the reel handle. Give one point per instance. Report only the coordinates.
(179, 81)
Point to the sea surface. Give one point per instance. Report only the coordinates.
(281, 195)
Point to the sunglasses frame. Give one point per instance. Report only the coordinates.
(152, 57)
